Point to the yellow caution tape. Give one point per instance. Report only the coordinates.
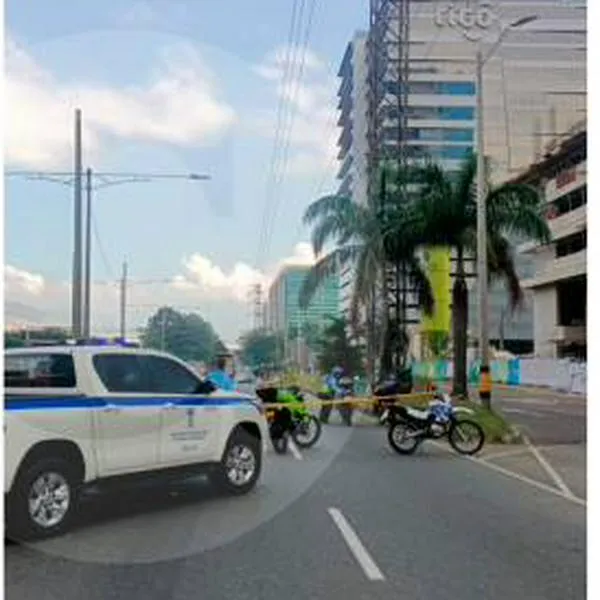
(397, 399)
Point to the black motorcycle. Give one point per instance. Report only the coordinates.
(306, 428)
(296, 422)
(409, 427)
(279, 419)
(385, 391)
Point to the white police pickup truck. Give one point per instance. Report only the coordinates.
(81, 415)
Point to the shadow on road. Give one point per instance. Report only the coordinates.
(114, 505)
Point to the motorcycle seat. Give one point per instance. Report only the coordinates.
(417, 413)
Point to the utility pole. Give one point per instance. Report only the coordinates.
(482, 276)
(163, 326)
(88, 256)
(124, 301)
(76, 283)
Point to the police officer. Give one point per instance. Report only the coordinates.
(220, 377)
(331, 390)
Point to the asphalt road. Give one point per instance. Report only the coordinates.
(545, 417)
(433, 527)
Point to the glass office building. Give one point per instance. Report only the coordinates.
(283, 308)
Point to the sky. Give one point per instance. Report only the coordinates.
(199, 86)
(174, 87)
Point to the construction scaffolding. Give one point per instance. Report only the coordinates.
(389, 67)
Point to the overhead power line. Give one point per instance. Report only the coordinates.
(276, 141)
(288, 136)
(293, 73)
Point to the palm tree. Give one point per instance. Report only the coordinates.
(445, 214)
(336, 348)
(358, 234)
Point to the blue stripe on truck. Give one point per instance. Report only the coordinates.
(21, 403)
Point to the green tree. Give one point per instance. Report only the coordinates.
(363, 239)
(336, 348)
(22, 338)
(444, 213)
(311, 333)
(13, 340)
(186, 335)
(438, 342)
(260, 347)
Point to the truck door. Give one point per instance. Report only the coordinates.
(189, 422)
(128, 422)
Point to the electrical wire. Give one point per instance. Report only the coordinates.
(274, 185)
(286, 148)
(276, 140)
(107, 265)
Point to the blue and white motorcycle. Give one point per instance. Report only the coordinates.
(409, 427)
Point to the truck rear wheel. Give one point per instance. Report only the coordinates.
(43, 500)
(240, 467)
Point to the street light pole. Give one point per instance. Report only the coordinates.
(88, 256)
(485, 387)
(123, 307)
(81, 314)
(482, 277)
(76, 291)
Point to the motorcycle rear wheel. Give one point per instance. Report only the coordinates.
(399, 440)
(307, 432)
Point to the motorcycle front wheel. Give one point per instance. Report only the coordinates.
(307, 432)
(466, 437)
(400, 439)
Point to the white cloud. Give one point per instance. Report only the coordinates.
(309, 106)
(202, 275)
(303, 255)
(179, 105)
(18, 281)
(276, 61)
(220, 294)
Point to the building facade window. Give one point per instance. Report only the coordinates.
(569, 202)
(434, 88)
(571, 297)
(441, 152)
(571, 244)
(443, 113)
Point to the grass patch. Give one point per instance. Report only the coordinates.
(497, 429)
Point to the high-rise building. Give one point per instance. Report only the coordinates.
(353, 142)
(352, 106)
(283, 309)
(534, 86)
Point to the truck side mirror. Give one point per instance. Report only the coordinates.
(205, 387)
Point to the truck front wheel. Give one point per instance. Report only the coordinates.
(240, 466)
(43, 500)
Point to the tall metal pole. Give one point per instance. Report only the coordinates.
(77, 266)
(163, 325)
(88, 256)
(124, 302)
(482, 277)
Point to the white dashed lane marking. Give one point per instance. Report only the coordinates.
(363, 558)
